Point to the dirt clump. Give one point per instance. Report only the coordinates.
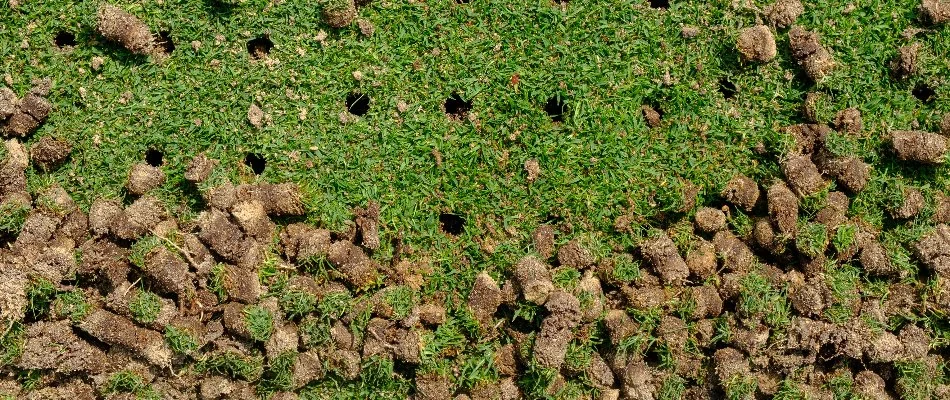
(735, 254)
(913, 203)
(935, 11)
(433, 386)
(756, 44)
(870, 385)
(533, 168)
(534, 278)
(849, 121)
(710, 220)
(811, 55)
(802, 175)
(357, 268)
(701, 260)
(661, 253)
(117, 25)
(8, 103)
(784, 13)
(942, 214)
(169, 273)
(48, 152)
(905, 64)
(72, 355)
(27, 114)
(367, 225)
(200, 168)
(339, 14)
(255, 116)
(742, 192)
(484, 298)
(651, 116)
(115, 330)
(556, 330)
(143, 178)
(543, 238)
(919, 146)
(933, 250)
(575, 254)
(783, 209)
(851, 172)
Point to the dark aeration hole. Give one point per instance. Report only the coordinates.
(259, 47)
(556, 109)
(64, 39)
(256, 162)
(660, 3)
(164, 41)
(462, 1)
(457, 106)
(924, 93)
(727, 88)
(357, 104)
(451, 224)
(154, 157)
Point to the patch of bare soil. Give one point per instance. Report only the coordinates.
(811, 55)
(784, 13)
(125, 29)
(756, 44)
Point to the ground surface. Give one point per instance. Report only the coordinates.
(602, 162)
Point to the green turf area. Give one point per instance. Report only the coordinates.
(604, 59)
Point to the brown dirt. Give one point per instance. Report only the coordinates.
(756, 44)
(283, 199)
(808, 137)
(590, 287)
(783, 209)
(53, 346)
(574, 254)
(942, 213)
(118, 331)
(367, 224)
(302, 241)
(835, 211)
(255, 116)
(433, 386)
(742, 192)
(242, 284)
(934, 250)
(484, 299)
(662, 255)
(651, 116)
(914, 202)
(200, 168)
(8, 103)
(710, 220)
(935, 11)
(357, 268)
(139, 218)
(905, 64)
(802, 175)
(222, 236)
(143, 178)
(919, 146)
(811, 55)
(849, 121)
(707, 301)
(339, 18)
(533, 168)
(701, 260)
(117, 25)
(735, 255)
(48, 152)
(252, 217)
(784, 13)
(534, 278)
(169, 273)
(870, 385)
(852, 173)
(809, 297)
(543, 238)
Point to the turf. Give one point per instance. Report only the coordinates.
(603, 59)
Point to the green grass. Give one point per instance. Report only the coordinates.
(40, 294)
(812, 239)
(130, 382)
(232, 364)
(278, 375)
(11, 343)
(180, 340)
(216, 281)
(145, 306)
(12, 217)
(297, 303)
(71, 304)
(757, 298)
(260, 322)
